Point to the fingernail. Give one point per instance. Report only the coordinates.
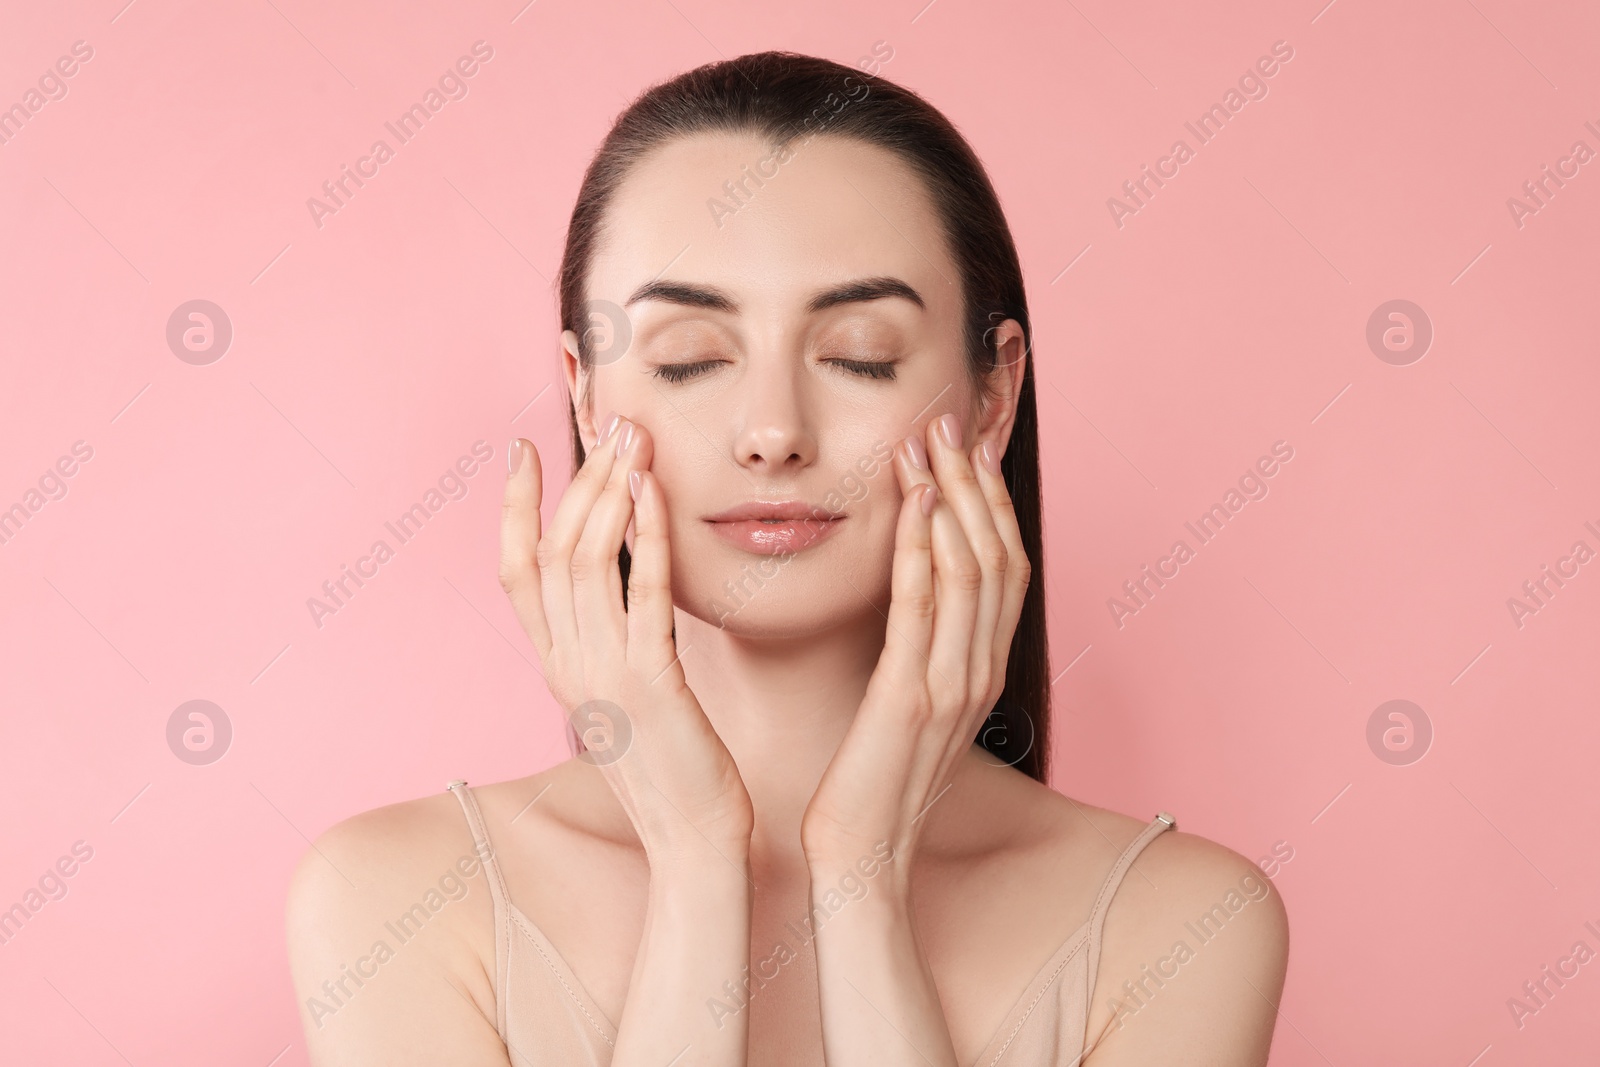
(625, 439)
(635, 480)
(950, 430)
(917, 454)
(989, 456)
(514, 456)
(607, 427)
(930, 496)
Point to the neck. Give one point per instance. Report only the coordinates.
(782, 707)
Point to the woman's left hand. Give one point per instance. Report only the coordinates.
(960, 574)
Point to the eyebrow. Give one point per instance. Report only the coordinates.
(714, 299)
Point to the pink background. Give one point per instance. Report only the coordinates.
(1230, 312)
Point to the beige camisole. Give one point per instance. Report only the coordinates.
(545, 1016)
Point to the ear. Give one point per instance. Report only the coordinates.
(997, 416)
(578, 384)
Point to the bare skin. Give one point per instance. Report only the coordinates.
(828, 717)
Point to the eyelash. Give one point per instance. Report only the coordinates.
(677, 372)
(881, 369)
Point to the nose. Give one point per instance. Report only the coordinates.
(775, 436)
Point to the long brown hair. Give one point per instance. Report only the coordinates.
(786, 98)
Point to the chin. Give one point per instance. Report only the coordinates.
(764, 597)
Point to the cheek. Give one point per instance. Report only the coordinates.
(885, 518)
(868, 550)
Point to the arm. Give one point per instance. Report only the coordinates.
(669, 770)
(696, 936)
(879, 1002)
(942, 668)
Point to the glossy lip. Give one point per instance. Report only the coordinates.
(774, 527)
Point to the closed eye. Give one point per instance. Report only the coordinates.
(677, 372)
(868, 368)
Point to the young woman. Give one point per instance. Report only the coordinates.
(792, 598)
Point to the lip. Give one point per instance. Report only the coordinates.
(773, 509)
(773, 527)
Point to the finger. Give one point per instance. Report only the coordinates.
(910, 460)
(596, 579)
(561, 537)
(958, 581)
(1019, 570)
(649, 621)
(519, 539)
(959, 484)
(911, 599)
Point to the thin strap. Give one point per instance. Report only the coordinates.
(1097, 918)
(497, 894)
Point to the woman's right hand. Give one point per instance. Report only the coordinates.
(665, 762)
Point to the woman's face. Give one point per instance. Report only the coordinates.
(782, 339)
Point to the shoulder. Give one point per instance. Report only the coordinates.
(366, 857)
(399, 890)
(1184, 877)
(1196, 938)
(394, 845)
(1175, 874)
(369, 869)
(388, 857)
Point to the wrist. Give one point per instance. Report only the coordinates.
(872, 870)
(722, 863)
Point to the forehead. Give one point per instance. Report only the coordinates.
(721, 209)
